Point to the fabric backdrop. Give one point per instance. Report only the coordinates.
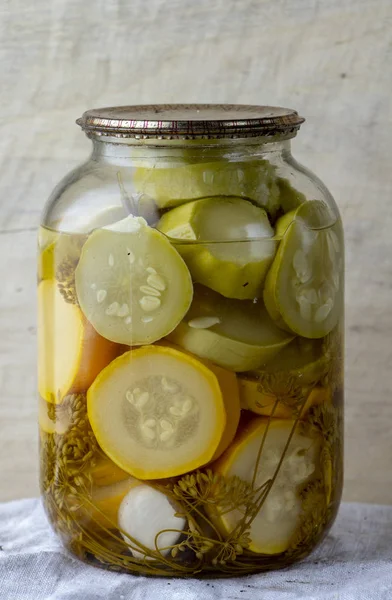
(330, 59)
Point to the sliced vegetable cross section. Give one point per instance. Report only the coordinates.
(237, 261)
(279, 516)
(71, 352)
(158, 412)
(234, 334)
(304, 286)
(131, 283)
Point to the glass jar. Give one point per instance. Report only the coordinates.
(191, 344)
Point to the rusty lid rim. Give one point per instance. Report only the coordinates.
(191, 121)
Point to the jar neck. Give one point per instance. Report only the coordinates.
(128, 151)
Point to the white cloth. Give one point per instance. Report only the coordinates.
(354, 563)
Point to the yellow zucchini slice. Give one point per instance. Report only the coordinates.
(158, 412)
(278, 518)
(71, 352)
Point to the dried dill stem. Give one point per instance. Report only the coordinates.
(323, 418)
(197, 491)
(66, 459)
(66, 462)
(231, 549)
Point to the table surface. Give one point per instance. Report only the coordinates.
(329, 59)
(353, 563)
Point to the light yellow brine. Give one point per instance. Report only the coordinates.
(190, 370)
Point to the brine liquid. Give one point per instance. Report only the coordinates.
(229, 509)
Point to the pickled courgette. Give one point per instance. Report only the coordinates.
(241, 248)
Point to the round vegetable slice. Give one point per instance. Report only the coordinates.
(237, 261)
(71, 352)
(304, 286)
(173, 186)
(278, 518)
(148, 517)
(158, 412)
(234, 334)
(131, 283)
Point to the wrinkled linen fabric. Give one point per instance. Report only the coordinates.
(353, 563)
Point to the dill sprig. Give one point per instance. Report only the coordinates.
(319, 496)
(208, 488)
(67, 458)
(67, 461)
(65, 275)
(66, 266)
(285, 387)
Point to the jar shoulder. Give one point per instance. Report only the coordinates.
(96, 187)
(306, 183)
(84, 196)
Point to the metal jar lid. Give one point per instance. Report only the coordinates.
(191, 121)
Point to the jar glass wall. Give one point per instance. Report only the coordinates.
(191, 348)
